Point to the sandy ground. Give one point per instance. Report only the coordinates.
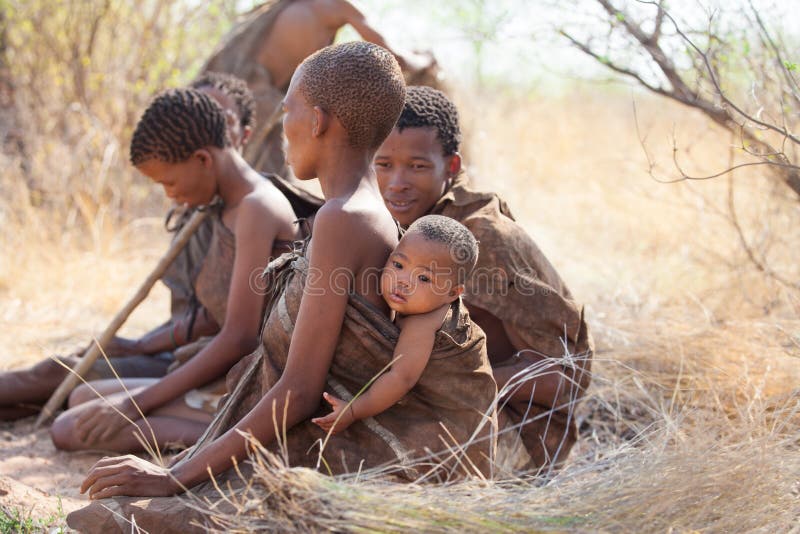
(34, 476)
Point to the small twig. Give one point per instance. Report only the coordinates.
(715, 82)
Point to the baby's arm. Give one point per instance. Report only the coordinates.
(411, 355)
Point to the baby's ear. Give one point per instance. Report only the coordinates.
(457, 291)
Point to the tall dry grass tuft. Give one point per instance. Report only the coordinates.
(682, 471)
(675, 439)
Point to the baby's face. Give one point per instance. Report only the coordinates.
(419, 276)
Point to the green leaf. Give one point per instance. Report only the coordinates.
(620, 16)
(789, 65)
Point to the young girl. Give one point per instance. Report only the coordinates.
(181, 143)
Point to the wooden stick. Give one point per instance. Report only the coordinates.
(93, 352)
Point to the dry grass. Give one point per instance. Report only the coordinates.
(677, 477)
(693, 419)
(689, 427)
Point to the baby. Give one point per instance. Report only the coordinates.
(423, 276)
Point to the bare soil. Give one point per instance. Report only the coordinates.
(37, 480)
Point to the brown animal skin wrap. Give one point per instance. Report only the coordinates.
(515, 282)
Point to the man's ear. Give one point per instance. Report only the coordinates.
(247, 131)
(204, 157)
(457, 291)
(321, 122)
(454, 167)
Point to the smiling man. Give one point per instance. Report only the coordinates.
(538, 342)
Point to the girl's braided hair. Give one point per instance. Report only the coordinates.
(177, 123)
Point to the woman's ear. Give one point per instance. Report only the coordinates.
(320, 122)
(454, 167)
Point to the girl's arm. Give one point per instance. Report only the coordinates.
(255, 232)
(319, 322)
(411, 355)
(167, 337)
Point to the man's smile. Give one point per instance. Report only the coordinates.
(399, 204)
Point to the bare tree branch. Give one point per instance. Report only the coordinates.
(765, 34)
(613, 66)
(652, 47)
(716, 104)
(715, 81)
(758, 263)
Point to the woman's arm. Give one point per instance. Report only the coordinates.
(545, 388)
(316, 332)
(314, 339)
(255, 232)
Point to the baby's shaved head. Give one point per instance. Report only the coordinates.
(360, 84)
(455, 236)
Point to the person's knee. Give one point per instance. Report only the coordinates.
(51, 369)
(62, 432)
(80, 395)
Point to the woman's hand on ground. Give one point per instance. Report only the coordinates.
(341, 410)
(101, 419)
(129, 475)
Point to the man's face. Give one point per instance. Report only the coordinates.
(413, 172)
(418, 276)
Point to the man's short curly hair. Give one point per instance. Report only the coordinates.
(360, 84)
(234, 87)
(460, 242)
(428, 107)
(175, 124)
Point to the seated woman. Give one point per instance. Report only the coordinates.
(329, 327)
(182, 144)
